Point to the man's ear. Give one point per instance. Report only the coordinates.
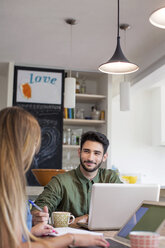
(105, 157)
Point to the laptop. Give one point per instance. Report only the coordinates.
(112, 204)
(149, 216)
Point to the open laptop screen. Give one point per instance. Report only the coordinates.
(109, 204)
(147, 218)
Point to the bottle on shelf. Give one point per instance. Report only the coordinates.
(102, 115)
(64, 137)
(95, 114)
(77, 83)
(83, 87)
(76, 134)
(69, 136)
(74, 138)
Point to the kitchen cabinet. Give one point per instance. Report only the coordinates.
(97, 94)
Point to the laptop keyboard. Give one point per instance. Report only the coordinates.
(115, 244)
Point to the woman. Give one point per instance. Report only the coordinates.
(20, 138)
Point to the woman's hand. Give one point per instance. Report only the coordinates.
(42, 229)
(89, 240)
(80, 240)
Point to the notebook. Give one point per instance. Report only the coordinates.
(112, 204)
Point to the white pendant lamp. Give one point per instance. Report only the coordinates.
(69, 92)
(125, 96)
(70, 82)
(118, 64)
(157, 18)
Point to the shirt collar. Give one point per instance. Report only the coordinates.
(83, 179)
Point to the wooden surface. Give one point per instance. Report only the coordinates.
(107, 233)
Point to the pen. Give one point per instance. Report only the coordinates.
(34, 205)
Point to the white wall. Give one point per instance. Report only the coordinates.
(6, 84)
(132, 149)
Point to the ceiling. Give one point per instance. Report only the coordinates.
(35, 33)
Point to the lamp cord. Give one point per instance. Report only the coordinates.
(118, 22)
(70, 72)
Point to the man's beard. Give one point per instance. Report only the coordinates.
(88, 169)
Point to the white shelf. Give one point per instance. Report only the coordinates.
(98, 89)
(71, 146)
(83, 122)
(89, 98)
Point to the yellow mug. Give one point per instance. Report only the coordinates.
(129, 179)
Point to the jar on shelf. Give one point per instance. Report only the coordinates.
(80, 113)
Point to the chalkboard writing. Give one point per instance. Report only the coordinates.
(50, 118)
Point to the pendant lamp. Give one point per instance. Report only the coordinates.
(118, 64)
(157, 18)
(70, 82)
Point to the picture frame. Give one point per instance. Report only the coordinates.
(33, 85)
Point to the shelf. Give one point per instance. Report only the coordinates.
(97, 94)
(83, 122)
(71, 146)
(89, 97)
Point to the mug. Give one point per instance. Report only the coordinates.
(62, 219)
(143, 239)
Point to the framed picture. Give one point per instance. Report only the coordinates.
(40, 91)
(38, 85)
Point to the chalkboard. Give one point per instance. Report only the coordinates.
(46, 107)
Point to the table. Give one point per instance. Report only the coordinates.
(106, 233)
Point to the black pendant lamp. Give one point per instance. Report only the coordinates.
(118, 64)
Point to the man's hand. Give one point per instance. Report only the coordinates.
(39, 216)
(83, 218)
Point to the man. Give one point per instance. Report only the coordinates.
(71, 191)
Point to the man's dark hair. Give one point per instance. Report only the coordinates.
(95, 136)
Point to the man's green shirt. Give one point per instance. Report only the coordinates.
(71, 191)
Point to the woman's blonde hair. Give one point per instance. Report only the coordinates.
(20, 138)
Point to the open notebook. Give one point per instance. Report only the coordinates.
(112, 204)
(64, 230)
